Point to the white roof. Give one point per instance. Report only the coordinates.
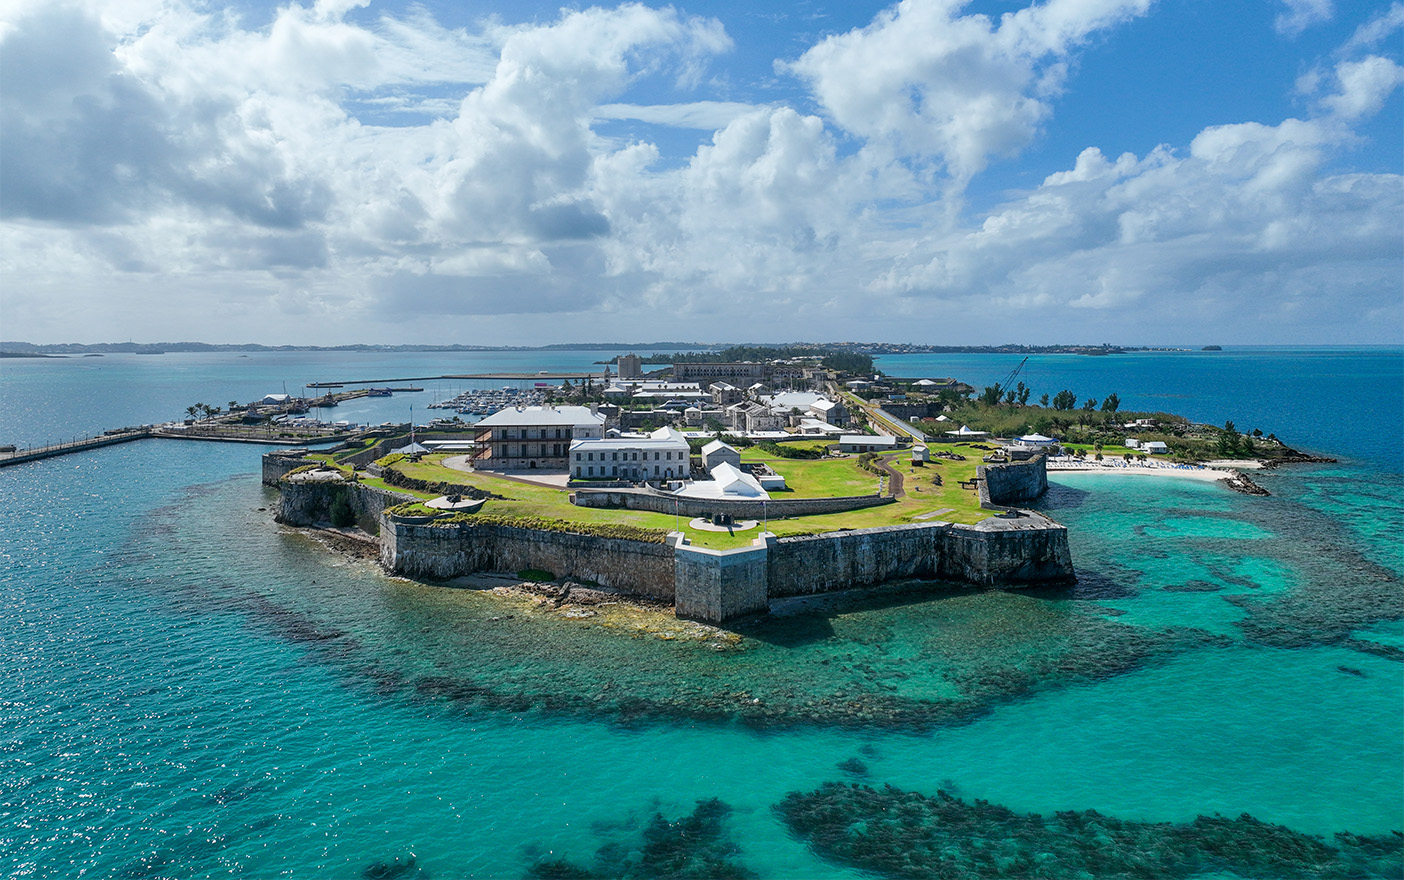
(799, 399)
(542, 416)
(663, 438)
(1036, 439)
(966, 432)
(411, 448)
(942, 418)
(925, 382)
(727, 481)
(870, 439)
(714, 446)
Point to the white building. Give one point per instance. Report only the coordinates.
(1155, 447)
(533, 437)
(867, 443)
(717, 452)
(830, 411)
(727, 482)
(661, 455)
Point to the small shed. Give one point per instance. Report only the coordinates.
(716, 453)
(867, 443)
(1155, 447)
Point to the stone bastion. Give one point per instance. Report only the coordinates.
(716, 586)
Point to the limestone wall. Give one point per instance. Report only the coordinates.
(720, 585)
(1012, 482)
(310, 504)
(1029, 549)
(277, 463)
(442, 552)
(808, 564)
(662, 502)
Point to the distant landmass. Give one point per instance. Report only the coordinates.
(30, 349)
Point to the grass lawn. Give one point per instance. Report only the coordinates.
(809, 479)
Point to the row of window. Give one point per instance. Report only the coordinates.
(525, 451)
(613, 471)
(533, 434)
(657, 456)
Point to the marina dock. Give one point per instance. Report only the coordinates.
(214, 433)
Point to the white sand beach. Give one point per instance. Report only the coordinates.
(1153, 469)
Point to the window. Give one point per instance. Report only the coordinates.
(592, 471)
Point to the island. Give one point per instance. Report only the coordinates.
(703, 487)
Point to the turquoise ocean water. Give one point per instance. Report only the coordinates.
(193, 691)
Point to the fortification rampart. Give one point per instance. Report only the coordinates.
(440, 552)
(315, 503)
(808, 564)
(710, 585)
(1012, 482)
(775, 508)
(277, 463)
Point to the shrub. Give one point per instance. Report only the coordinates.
(341, 513)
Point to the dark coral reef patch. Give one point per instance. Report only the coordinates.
(904, 834)
(691, 848)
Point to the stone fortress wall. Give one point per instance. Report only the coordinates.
(716, 586)
(663, 502)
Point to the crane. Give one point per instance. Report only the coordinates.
(1013, 374)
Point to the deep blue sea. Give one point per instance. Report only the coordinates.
(191, 690)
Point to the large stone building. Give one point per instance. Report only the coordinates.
(533, 437)
(630, 366)
(750, 372)
(661, 455)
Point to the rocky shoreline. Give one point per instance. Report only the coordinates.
(1240, 482)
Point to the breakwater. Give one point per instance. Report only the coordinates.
(713, 586)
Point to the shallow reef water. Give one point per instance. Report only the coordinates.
(196, 691)
(908, 657)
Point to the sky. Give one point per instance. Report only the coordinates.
(1140, 172)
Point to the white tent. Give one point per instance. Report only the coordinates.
(1036, 440)
(728, 482)
(966, 432)
(411, 449)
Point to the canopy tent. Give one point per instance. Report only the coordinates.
(965, 431)
(728, 482)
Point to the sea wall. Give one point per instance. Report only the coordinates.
(311, 503)
(808, 564)
(277, 463)
(1013, 482)
(439, 552)
(715, 586)
(1012, 549)
(664, 502)
(1023, 550)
